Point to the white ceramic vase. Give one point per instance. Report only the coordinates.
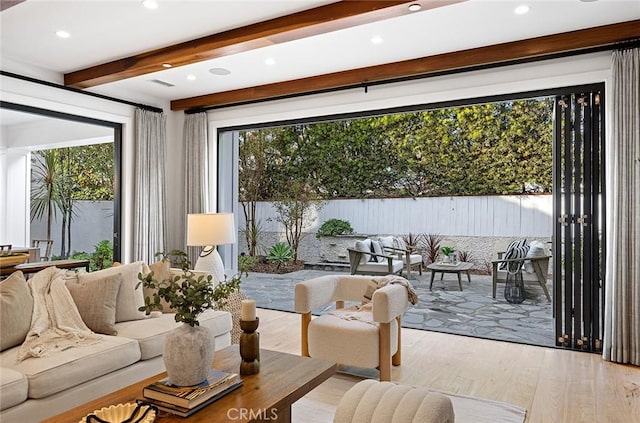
(188, 354)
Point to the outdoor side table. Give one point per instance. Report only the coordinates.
(450, 268)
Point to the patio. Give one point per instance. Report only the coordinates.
(472, 312)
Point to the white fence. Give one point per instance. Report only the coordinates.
(482, 216)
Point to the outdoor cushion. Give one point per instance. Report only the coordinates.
(377, 249)
(536, 249)
(16, 307)
(515, 250)
(14, 388)
(151, 332)
(73, 366)
(382, 267)
(365, 247)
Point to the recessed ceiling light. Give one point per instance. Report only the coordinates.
(220, 71)
(191, 77)
(166, 65)
(270, 61)
(150, 4)
(376, 39)
(63, 34)
(521, 10)
(415, 7)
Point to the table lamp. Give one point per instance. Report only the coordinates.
(209, 230)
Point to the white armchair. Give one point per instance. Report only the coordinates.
(368, 338)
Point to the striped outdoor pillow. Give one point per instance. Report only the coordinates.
(515, 250)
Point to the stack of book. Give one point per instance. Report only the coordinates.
(186, 400)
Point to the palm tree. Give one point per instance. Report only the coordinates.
(46, 195)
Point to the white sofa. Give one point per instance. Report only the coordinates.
(37, 388)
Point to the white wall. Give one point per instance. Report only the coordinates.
(477, 216)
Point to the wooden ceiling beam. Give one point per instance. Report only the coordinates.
(316, 21)
(495, 54)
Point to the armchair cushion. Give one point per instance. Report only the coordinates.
(536, 249)
(377, 249)
(365, 247)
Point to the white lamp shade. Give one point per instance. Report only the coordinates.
(210, 229)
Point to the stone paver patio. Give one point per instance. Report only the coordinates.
(472, 312)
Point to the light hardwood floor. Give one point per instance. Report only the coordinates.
(553, 385)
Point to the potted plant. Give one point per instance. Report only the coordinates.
(188, 349)
(449, 254)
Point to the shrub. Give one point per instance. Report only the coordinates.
(280, 253)
(432, 247)
(102, 257)
(245, 262)
(333, 227)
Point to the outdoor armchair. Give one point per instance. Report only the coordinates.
(410, 256)
(360, 263)
(539, 266)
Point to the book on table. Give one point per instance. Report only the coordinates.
(190, 396)
(184, 411)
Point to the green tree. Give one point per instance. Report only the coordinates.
(45, 187)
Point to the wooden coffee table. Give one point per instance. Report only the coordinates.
(447, 268)
(266, 396)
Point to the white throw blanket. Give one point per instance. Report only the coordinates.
(56, 324)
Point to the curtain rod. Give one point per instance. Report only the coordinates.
(365, 85)
(79, 91)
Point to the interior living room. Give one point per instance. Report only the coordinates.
(171, 83)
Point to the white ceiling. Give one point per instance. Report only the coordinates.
(106, 30)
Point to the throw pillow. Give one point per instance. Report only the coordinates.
(161, 272)
(515, 250)
(536, 249)
(365, 247)
(16, 308)
(399, 243)
(377, 249)
(96, 302)
(129, 298)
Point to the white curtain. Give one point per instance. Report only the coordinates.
(195, 142)
(622, 311)
(150, 222)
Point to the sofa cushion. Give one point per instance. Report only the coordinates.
(161, 272)
(329, 333)
(71, 367)
(16, 307)
(129, 298)
(151, 332)
(96, 302)
(14, 388)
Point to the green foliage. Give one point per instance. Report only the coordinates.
(63, 175)
(447, 250)
(334, 227)
(485, 149)
(280, 253)
(102, 257)
(187, 294)
(245, 262)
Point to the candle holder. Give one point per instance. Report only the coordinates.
(249, 347)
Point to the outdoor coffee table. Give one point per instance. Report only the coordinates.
(266, 396)
(450, 268)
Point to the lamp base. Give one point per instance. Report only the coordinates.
(211, 262)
